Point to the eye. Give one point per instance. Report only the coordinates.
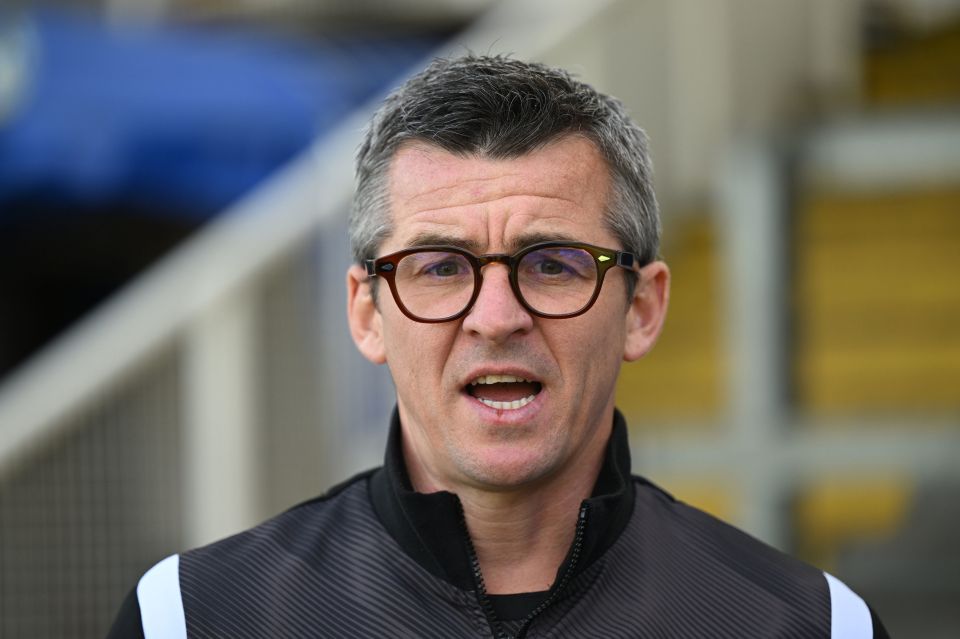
(445, 269)
(550, 267)
(435, 265)
(557, 265)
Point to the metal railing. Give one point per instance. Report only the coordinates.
(213, 391)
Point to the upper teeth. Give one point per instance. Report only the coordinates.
(497, 379)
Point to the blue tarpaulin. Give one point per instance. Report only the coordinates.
(178, 120)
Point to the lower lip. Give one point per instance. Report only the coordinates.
(507, 416)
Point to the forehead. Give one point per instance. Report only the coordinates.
(559, 191)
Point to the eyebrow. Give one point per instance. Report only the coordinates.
(527, 239)
(440, 239)
(516, 244)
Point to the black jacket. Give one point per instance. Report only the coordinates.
(373, 558)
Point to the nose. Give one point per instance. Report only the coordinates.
(497, 314)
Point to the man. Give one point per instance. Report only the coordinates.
(505, 234)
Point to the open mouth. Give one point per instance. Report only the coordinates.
(503, 392)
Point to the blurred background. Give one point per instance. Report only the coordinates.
(174, 359)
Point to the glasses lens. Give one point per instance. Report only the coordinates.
(557, 280)
(434, 284)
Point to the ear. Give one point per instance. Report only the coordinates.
(647, 311)
(365, 321)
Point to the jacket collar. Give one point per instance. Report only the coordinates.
(430, 527)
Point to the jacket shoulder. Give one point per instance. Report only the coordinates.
(738, 576)
(702, 537)
(298, 530)
(156, 607)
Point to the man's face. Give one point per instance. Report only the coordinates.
(452, 437)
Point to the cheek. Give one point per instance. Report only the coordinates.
(415, 351)
(592, 351)
(396, 342)
(607, 348)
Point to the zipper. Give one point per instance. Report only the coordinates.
(487, 606)
(567, 574)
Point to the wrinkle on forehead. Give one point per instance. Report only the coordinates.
(423, 177)
(521, 230)
(472, 186)
(557, 192)
(461, 194)
(515, 243)
(519, 205)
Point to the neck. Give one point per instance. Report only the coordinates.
(521, 539)
(427, 524)
(522, 534)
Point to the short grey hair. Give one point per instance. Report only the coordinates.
(501, 108)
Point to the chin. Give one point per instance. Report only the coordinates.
(506, 474)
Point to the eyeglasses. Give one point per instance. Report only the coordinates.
(550, 279)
